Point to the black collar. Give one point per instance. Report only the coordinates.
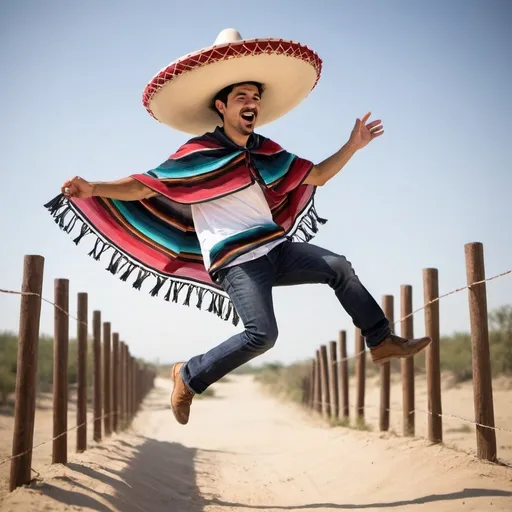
(252, 143)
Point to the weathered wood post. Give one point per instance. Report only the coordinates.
(97, 401)
(312, 376)
(107, 379)
(385, 370)
(333, 380)
(318, 384)
(60, 372)
(324, 380)
(343, 376)
(81, 406)
(360, 349)
(115, 381)
(407, 331)
(26, 373)
(482, 374)
(431, 293)
(122, 378)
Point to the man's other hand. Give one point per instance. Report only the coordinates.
(77, 187)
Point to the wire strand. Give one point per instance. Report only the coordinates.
(12, 457)
(14, 292)
(442, 415)
(457, 290)
(452, 292)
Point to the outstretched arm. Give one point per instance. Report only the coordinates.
(361, 135)
(125, 189)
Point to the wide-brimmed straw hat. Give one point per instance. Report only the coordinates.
(181, 94)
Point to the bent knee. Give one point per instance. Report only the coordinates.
(340, 266)
(263, 337)
(342, 270)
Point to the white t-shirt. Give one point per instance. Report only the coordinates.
(221, 218)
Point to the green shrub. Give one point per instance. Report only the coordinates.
(8, 357)
(8, 364)
(285, 381)
(455, 357)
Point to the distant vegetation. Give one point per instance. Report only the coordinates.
(8, 363)
(284, 380)
(455, 352)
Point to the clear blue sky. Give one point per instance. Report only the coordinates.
(437, 73)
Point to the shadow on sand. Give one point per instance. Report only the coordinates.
(163, 476)
(431, 498)
(145, 484)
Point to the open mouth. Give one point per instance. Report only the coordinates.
(249, 117)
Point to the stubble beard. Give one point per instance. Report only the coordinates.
(244, 131)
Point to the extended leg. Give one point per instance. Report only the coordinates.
(250, 288)
(299, 263)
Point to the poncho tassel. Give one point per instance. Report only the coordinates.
(67, 220)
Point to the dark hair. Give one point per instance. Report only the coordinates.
(222, 95)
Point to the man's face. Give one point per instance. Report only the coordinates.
(242, 108)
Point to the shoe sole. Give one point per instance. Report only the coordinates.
(383, 360)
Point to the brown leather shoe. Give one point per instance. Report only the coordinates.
(181, 397)
(395, 347)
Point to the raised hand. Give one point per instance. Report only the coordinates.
(363, 133)
(77, 187)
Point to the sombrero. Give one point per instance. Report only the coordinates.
(181, 94)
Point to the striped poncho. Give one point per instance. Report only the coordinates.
(154, 241)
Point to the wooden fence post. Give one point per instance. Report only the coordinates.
(121, 386)
(318, 384)
(385, 370)
(360, 349)
(97, 402)
(25, 394)
(135, 386)
(431, 293)
(324, 381)
(333, 380)
(115, 381)
(312, 376)
(130, 386)
(482, 374)
(343, 376)
(407, 364)
(81, 406)
(60, 372)
(126, 389)
(107, 379)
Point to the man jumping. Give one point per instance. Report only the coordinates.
(230, 213)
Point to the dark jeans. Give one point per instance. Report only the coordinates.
(249, 286)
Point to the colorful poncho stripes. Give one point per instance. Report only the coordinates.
(155, 238)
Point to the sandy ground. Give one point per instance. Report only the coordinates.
(243, 450)
(457, 400)
(43, 431)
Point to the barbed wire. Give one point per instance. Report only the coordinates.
(421, 308)
(457, 290)
(99, 418)
(28, 294)
(12, 457)
(441, 415)
(452, 292)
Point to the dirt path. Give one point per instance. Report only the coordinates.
(245, 451)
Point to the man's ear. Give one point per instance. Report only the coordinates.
(220, 106)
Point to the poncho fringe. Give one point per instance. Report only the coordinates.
(301, 225)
